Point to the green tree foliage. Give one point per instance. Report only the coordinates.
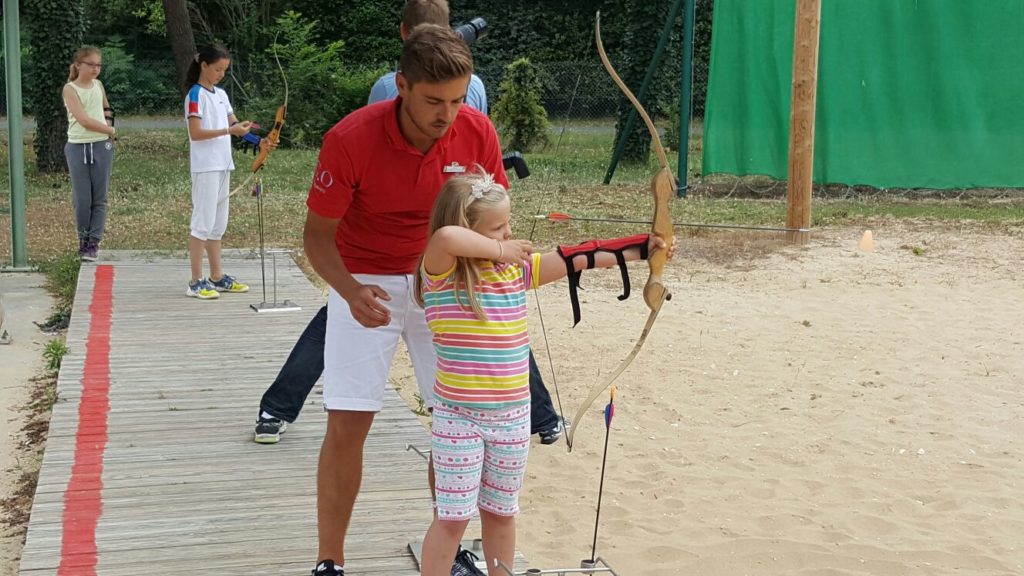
(647, 18)
(54, 29)
(364, 34)
(321, 89)
(139, 24)
(549, 31)
(369, 28)
(133, 89)
(520, 118)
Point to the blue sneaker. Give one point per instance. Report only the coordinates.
(228, 284)
(202, 289)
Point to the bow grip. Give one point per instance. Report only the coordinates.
(274, 136)
(662, 186)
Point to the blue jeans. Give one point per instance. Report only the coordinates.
(305, 364)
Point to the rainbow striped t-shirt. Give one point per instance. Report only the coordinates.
(482, 364)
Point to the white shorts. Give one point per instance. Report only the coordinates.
(357, 359)
(210, 204)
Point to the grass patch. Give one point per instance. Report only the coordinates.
(53, 354)
(61, 275)
(150, 199)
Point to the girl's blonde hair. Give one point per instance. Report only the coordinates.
(463, 200)
(80, 55)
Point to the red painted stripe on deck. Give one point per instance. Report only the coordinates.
(83, 502)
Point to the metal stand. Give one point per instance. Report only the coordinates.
(424, 455)
(586, 567)
(5, 337)
(273, 306)
(475, 545)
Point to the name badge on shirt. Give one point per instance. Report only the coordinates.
(454, 168)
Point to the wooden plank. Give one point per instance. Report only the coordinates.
(185, 490)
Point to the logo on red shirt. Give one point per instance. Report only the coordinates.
(323, 179)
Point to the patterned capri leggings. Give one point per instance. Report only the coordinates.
(479, 459)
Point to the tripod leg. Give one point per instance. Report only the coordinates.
(263, 255)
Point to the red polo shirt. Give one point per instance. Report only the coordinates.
(383, 188)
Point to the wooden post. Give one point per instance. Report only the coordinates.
(801, 123)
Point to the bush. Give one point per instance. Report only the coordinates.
(671, 139)
(321, 89)
(518, 114)
(134, 88)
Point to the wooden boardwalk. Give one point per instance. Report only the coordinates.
(168, 480)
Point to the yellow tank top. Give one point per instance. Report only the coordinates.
(92, 102)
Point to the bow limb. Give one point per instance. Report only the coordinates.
(655, 293)
(275, 132)
(662, 186)
(600, 387)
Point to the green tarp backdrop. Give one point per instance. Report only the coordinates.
(911, 93)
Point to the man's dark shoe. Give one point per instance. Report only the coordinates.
(465, 564)
(327, 568)
(269, 430)
(551, 435)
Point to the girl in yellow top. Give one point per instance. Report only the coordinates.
(90, 148)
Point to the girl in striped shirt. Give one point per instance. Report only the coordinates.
(472, 284)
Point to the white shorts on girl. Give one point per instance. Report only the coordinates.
(210, 192)
(357, 359)
(479, 459)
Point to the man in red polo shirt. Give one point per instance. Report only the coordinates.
(379, 171)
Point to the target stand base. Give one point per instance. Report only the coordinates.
(282, 306)
(274, 305)
(475, 545)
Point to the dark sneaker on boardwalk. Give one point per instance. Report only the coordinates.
(465, 564)
(327, 568)
(551, 435)
(268, 430)
(89, 251)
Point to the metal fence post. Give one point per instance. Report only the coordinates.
(686, 98)
(16, 141)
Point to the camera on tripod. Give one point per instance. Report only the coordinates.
(475, 29)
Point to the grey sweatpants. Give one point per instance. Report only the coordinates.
(89, 165)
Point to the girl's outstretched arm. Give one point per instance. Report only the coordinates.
(552, 266)
(451, 242)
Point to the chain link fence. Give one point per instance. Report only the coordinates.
(572, 90)
(583, 90)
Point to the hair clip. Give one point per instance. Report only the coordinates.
(196, 57)
(482, 185)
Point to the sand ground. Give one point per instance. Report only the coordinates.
(811, 410)
(798, 410)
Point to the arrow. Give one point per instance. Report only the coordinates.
(563, 217)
